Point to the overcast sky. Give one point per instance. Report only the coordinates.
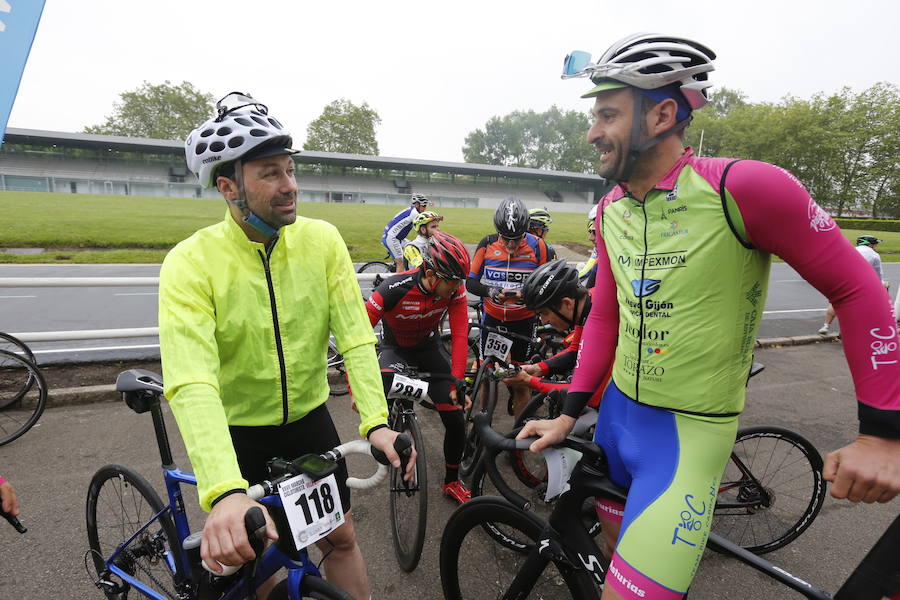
(433, 71)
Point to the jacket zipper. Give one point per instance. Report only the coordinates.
(278, 346)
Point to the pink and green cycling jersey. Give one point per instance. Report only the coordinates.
(681, 286)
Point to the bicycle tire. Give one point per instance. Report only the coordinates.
(16, 346)
(311, 586)
(337, 372)
(21, 414)
(150, 557)
(463, 547)
(409, 509)
(377, 266)
(790, 470)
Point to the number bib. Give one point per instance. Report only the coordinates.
(497, 346)
(313, 508)
(405, 387)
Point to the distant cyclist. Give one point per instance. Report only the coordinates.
(502, 263)
(410, 306)
(553, 292)
(588, 273)
(865, 245)
(684, 247)
(396, 230)
(539, 221)
(426, 224)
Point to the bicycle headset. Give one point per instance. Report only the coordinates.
(655, 66)
(241, 131)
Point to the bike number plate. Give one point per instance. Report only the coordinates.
(406, 387)
(497, 346)
(313, 508)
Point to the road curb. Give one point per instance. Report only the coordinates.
(799, 340)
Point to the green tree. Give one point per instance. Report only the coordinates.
(164, 112)
(553, 140)
(344, 127)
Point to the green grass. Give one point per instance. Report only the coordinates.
(82, 228)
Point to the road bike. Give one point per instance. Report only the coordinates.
(23, 395)
(557, 557)
(139, 544)
(379, 266)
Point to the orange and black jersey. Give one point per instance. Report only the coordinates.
(494, 267)
(410, 315)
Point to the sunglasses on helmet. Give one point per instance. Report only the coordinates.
(235, 101)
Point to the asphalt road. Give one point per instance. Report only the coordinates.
(792, 308)
(805, 388)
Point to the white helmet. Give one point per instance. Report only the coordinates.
(592, 214)
(649, 61)
(241, 127)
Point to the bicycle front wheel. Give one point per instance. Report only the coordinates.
(15, 346)
(474, 566)
(119, 504)
(409, 504)
(377, 266)
(23, 395)
(771, 491)
(310, 587)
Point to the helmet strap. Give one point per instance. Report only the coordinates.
(636, 148)
(250, 218)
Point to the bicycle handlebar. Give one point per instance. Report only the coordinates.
(503, 331)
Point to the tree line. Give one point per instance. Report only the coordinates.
(844, 147)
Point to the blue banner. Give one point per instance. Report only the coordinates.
(18, 24)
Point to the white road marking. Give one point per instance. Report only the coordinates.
(139, 294)
(798, 310)
(18, 296)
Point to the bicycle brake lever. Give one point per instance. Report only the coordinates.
(403, 447)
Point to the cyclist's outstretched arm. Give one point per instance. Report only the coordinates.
(781, 218)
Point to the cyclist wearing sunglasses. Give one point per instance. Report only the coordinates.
(539, 221)
(501, 264)
(246, 307)
(684, 246)
(396, 230)
(588, 273)
(426, 224)
(410, 307)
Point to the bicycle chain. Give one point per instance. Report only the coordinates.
(133, 558)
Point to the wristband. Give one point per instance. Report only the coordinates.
(226, 494)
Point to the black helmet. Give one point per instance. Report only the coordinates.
(550, 283)
(867, 240)
(511, 218)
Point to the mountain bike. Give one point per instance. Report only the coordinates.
(557, 558)
(139, 544)
(23, 395)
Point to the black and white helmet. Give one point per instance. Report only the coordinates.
(651, 60)
(241, 128)
(511, 218)
(549, 284)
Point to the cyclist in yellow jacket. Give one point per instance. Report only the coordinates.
(246, 307)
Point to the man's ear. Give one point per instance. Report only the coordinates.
(227, 187)
(663, 116)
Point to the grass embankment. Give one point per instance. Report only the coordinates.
(82, 228)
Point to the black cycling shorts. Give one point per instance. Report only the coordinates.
(428, 356)
(521, 350)
(313, 434)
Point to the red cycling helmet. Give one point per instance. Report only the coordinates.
(447, 257)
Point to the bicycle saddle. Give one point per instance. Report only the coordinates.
(140, 389)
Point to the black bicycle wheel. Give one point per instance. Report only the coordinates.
(310, 587)
(337, 372)
(474, 566)
(119, 503)
(377, 266)
(24, 394)
(771, 491)
(16, 346)
(409, 504)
